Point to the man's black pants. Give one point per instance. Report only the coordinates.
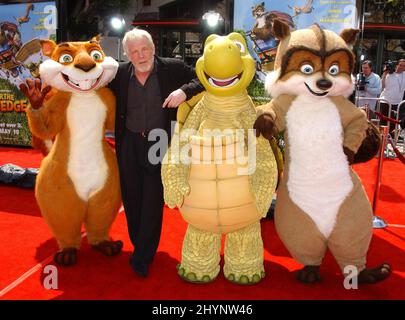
(142, 195)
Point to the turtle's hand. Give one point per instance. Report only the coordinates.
(175, 191)
(262, 194)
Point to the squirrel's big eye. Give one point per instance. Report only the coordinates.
(65, 58)
(307, 69)
(96, 55)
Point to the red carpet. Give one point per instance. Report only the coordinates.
(26, 242)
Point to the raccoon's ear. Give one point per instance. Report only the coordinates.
(349, 35)
(280, 29)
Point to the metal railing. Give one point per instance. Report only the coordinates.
(397, 130)
(376, 121)
(378, 222)
(379, 100)
(385, 135)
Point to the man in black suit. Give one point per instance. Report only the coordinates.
(140, 87)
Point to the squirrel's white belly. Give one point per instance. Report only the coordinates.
(319, 174)
(87, 166)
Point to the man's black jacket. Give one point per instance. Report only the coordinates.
(172, 74)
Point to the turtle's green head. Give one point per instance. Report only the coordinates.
(226, 68)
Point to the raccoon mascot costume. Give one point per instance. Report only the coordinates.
(321, 203)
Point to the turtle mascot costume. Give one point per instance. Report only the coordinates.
(220, 176)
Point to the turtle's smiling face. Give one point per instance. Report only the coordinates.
(226, 68)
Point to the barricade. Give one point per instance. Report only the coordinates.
(385, 139)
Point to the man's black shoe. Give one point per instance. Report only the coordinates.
(140, 268)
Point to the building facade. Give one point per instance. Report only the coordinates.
(178, 29)
(383, 35)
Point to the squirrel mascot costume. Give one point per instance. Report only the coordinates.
(321, 203)
(215, 191)
(78, 180)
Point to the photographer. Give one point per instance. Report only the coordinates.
(368, 84)
(393, 82)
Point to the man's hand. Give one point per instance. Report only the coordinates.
(264, 125)
(32, 90)
(175, 99)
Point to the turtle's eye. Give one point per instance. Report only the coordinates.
(307, 69)
(240, 45)
(65, 58)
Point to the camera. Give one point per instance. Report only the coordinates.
(361, 82)
(390, 66)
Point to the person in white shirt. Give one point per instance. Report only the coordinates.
(393, 91)
(368, 84)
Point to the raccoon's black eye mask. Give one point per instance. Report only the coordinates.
(322, 54)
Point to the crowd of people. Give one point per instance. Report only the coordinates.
(390, 87)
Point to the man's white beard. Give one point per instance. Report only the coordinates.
(146, 67)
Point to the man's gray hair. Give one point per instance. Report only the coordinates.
(135, 34)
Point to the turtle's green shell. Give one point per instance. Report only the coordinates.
(220, 200)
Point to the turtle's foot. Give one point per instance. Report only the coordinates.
(192, 277)
(246, 279)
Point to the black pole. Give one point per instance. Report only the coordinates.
(61, 31)
(363, 11)
(229, 16)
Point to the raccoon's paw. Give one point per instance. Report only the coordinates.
(376, 274)
(309, 275)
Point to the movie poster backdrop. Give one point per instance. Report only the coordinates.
(254, 18)
(21, 27)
